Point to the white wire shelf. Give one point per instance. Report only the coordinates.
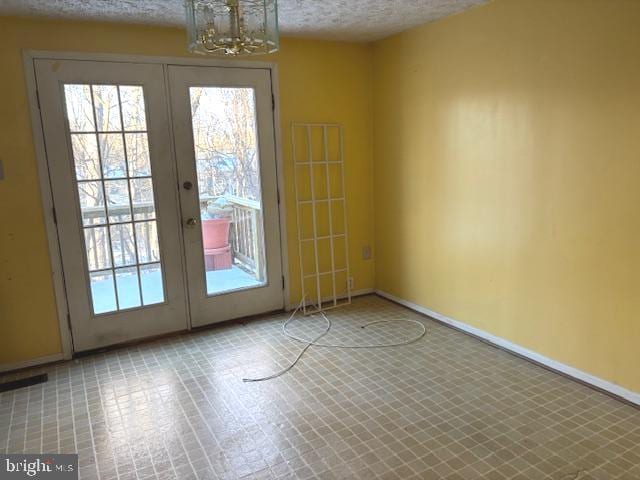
(317, 162)
(332, 203)
(323, 237)
(321, 274)
(321, 200)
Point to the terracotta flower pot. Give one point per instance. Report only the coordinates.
(215, 239)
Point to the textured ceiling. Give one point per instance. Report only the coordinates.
(360, 20)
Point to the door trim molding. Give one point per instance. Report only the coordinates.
(46, 195)
(162, 60)
(57, 275)
(282, 200)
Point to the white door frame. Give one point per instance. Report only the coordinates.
(43, 167)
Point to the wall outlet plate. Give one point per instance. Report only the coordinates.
(366, 252)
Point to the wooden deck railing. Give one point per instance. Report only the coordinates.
(122, 239)
(246, 234)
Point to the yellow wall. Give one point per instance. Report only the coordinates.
(507, 158)
(319, 82)
(507, 162)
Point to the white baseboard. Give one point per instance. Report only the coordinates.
(34, 362)
(355, 293)
(599, 383)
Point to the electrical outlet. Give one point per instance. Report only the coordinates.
(350, 283)
(366, 252)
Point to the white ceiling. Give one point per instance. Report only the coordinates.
(359, 20)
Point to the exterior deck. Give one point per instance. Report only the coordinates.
(218, 281)
(245, 241)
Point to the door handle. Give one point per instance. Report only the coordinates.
(191, 222)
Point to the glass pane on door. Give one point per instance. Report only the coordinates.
(228, 169)
(107, 128)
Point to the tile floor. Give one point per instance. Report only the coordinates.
(446, 407)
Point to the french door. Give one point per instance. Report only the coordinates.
(223, 121)
(166, 210)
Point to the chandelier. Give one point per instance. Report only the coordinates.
(232, 27)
